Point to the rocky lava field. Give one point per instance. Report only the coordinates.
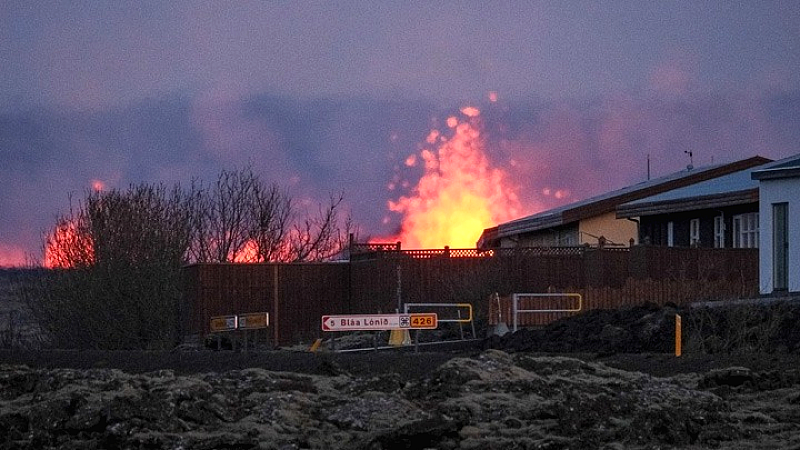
(526, 390)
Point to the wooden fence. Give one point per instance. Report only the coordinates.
(297, 295)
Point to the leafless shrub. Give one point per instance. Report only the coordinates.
(117, 278)
(117, 255)
(743, 328)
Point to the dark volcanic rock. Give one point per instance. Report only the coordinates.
(646, 328)
(493, 400)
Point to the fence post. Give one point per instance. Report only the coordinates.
(275, 280)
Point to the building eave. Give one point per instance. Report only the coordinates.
(688, 204)
(777, 173)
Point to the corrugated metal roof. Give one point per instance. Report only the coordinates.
(788, 167)
(735, 188)
(739, 181)
(552, 217)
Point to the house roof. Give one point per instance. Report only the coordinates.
(784, 168)
(609, 201)
(736, 188)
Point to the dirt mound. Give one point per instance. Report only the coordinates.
(755, 327)
(646, 328)
(493, 400)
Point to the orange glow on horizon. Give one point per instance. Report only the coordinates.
(12, 256)
(460, 194)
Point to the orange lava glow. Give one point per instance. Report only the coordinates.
(98, 185)
(248, 253)
(460, 194)
(67, 247)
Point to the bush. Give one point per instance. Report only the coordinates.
(117, 257)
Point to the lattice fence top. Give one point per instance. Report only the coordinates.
(383, 251)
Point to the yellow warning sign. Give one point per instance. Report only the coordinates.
(223, 323)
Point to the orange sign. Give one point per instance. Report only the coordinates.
(423, 321)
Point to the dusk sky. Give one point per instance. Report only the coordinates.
(325, 97)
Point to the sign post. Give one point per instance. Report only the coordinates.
(235, 322)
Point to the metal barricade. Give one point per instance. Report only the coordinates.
(515, 311)
(459, 308)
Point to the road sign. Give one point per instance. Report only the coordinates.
(424, 320)
(223, 323)
(372, 322)
(253, 321)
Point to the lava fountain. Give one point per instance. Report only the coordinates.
(459, 194)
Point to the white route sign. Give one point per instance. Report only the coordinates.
(367, 322)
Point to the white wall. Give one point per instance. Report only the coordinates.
(779, 191)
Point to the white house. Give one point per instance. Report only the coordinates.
(779, 212)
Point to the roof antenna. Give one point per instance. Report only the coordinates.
(648, 167)
(691, 160)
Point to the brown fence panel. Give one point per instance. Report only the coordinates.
(537, 273)
(606, 267)
(224, 289)
(607, 278)
(377, 284)
(633, 292)
(373, 286)
(694, 263)
(306, 293)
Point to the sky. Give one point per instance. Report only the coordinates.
(328, 97)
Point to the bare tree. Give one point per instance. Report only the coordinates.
(271, 211)
(222, 217)
(319, 237)
(240, 219)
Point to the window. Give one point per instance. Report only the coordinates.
(566, 240)
(719, 232)
(745, 230)
(670, 234)
(694, 232)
